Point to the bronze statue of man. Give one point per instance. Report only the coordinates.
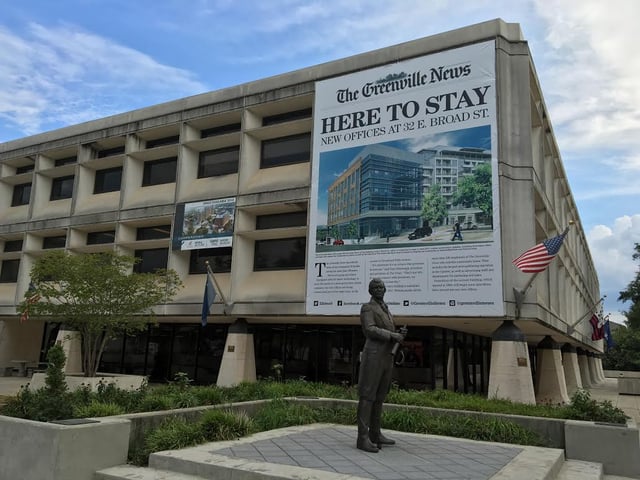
(376, 367)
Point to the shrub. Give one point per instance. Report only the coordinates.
(98, 409)
(583, 407)
(211, 395)
(281, 413)
(173, 434)
(220, 425)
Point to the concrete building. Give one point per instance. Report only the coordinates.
(120, 183)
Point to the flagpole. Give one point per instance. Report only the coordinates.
(519, 294)
(215, 282)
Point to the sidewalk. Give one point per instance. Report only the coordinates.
(608, 390)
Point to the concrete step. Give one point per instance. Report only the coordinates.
(579, 470)
(129, 472)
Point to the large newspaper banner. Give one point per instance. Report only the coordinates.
(405, 188)
(205, 224)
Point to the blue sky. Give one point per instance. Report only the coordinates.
(71, 61)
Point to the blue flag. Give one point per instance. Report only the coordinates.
(607, 336)
(209, 297)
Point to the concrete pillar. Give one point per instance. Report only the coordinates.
(510, 372)
(71, 342)
(239, 359)
(571, 368)
(599, 368)
(551, 386)
(583, 362)
(451, 370)
(593, 374)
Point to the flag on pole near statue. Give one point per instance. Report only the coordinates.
(209, 297)
(537, 258)
(607, 335)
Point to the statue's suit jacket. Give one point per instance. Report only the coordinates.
(377, 361)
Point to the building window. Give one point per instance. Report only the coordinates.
(9, 271)
(13, 245)
(223, 161)
(151, 260)
(279, 254)
(65, 161)
(281, 220)
(286, 150)
(158, 172)
(108, 180)
(25, 169)
(161, 142)
(110, 152)
(219, 260)
(59, 241)
(153, 233)
(221, 130)
(21, 194)
(286, 117)
(62, 187)
(97, 238)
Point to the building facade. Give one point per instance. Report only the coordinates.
(142, 183)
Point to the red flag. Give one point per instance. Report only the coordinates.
(597, 327)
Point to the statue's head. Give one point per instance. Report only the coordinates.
(377, 288)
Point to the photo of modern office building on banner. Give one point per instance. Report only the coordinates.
(251, 179)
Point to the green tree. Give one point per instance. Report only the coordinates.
(352, 230)
(97, 295)
(625, 355)
(434, 206)
(632, 294)
(475, 190)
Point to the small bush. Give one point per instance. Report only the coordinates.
(173, 434)
(281, 413)
(98, 409)
(583, 407)
(220, 425)
(208, 395)
(155, 402)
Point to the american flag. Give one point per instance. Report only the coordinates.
(537, 258)
(31, 299)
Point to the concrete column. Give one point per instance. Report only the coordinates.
(601, 375)
(571, 368)
(583, 362)
(451, 371)
(510, 372)
(71, 342)
(239, 359)
(593, 374)
(551, 386)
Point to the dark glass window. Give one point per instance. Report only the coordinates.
(9, 271)
(61, 187)
(13, 245)
(219, 260)
(110, 152)
(160, 142)
(223, 161)
(279, 254)
(286, 150)
(161, 171)
(221, 130)
(96, 238)
(108, 180)
(21, 194)
(151, 260)
(65, 161)
(58, 241)
(286, 117)
(281, 220)
(153, 233)
(25, 169)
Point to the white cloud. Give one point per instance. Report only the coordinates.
(63, 75)
(612, 248)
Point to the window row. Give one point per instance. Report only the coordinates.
(211, 163)
(276, 254)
